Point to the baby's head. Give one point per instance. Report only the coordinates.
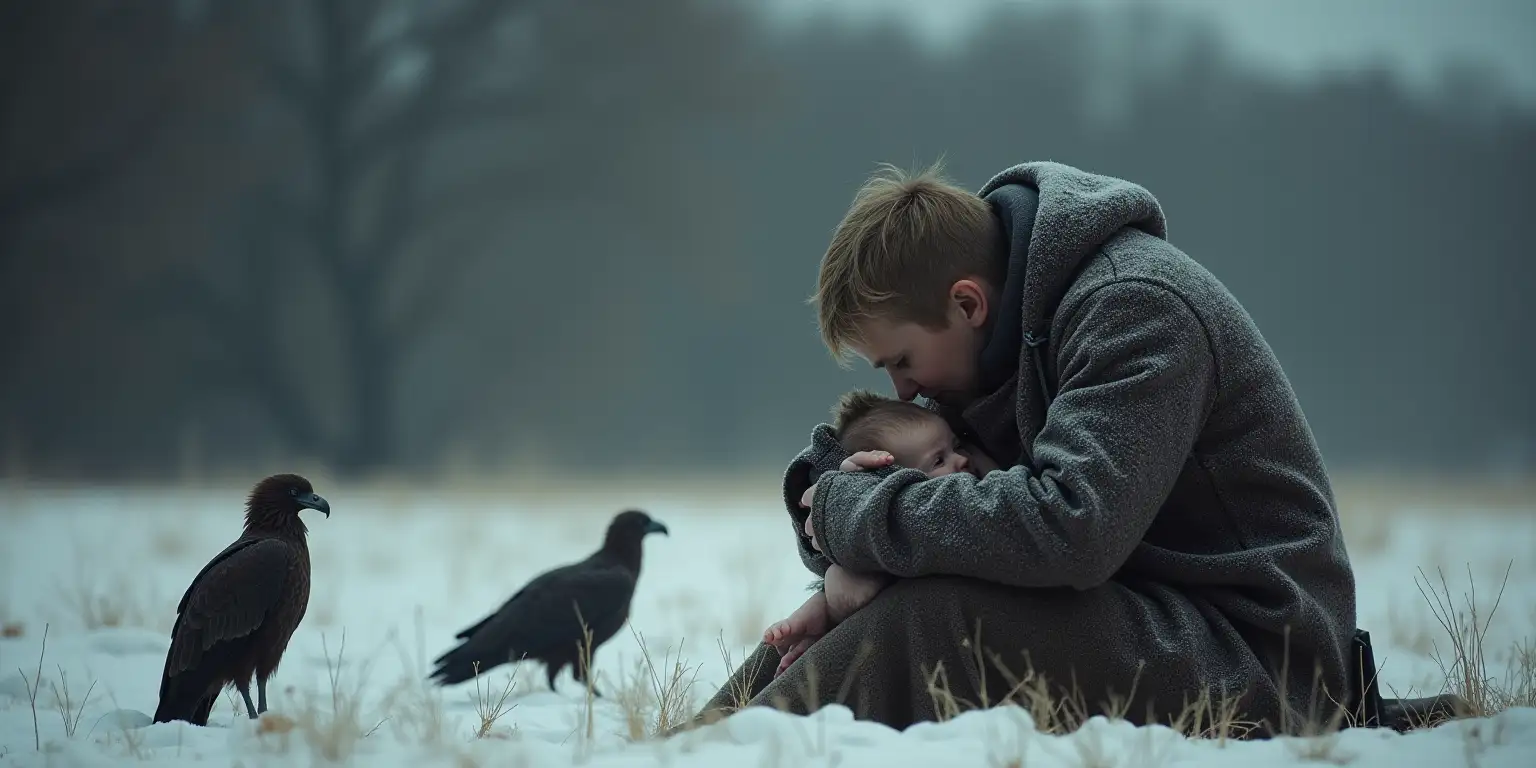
(915, 436)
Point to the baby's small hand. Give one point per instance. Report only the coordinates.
(865, 460)
(857, 462)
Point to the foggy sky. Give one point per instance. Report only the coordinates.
(1415, 38)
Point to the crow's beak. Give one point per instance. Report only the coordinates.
(315, 502)
(655, 526)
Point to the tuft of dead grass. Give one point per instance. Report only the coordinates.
(332, 732)
(490, 707)
(69, 708)
(656, 699)
(1466, 665)
(738, 690)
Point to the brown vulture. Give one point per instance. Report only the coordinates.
(540, 622)
(236, 617)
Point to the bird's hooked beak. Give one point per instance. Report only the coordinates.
(655, 526)
(314, 501)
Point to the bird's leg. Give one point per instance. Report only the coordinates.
(245, 693)
(261, 696)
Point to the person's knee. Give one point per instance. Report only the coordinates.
(909, 602)
(938, 590)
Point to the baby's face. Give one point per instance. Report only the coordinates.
(932, 448)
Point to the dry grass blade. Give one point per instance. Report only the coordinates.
(491, 707)
(1521, 689)
(32, 687)
(68, 710)
(1466, 671)
(334, 736)
(739, 684)
(584, 665)
(672, 695)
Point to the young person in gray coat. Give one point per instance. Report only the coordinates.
(1163, 531)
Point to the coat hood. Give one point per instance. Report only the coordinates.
(1054, 216)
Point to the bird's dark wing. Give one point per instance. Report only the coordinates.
(543, 616)
(235, 546)
(467, 632)
(230, 598)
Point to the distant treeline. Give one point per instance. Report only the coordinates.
(586, 238)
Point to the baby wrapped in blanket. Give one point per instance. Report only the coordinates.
(876, 431)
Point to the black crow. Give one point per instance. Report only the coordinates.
(544, 620)
(239, 612)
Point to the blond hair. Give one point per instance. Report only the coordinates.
(863, 419)
(903, 242)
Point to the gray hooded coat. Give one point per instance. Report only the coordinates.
(1164, 524)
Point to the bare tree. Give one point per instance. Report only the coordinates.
(85, 88)
(377, 90)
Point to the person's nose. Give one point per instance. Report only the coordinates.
(906, 389)
(961, 462)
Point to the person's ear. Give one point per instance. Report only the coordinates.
(968, 300)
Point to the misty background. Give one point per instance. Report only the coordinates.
(379, 237)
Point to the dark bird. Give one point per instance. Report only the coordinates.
(236, 617)
(544, 620)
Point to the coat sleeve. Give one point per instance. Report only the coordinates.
(824, 454)
(801, 473)
(1136, 376)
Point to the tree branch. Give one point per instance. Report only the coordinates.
(444, 278)
(413, 129)
(246, 355)
(446, 42)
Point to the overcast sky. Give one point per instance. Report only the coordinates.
(1305, 36)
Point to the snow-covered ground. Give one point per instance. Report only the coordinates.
(397, 574)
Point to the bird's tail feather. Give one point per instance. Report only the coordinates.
(456, 666)
(184, 705)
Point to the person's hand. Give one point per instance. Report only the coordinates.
(857, 462)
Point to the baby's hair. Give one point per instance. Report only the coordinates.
(863, 418)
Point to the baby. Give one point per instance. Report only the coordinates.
(885, 431)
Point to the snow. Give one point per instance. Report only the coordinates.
(397, 574)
